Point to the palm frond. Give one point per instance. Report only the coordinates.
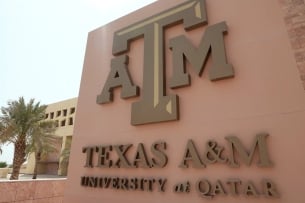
(42, 139)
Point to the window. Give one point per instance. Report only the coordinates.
(63, 123)
(52, 115)
(64, 112)
(47, 116)
(71, 121)
(72, 110)
(58, 113)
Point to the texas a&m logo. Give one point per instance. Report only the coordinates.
(155, 105)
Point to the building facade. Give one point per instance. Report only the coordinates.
(63, 113)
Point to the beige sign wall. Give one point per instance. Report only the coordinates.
(260, 110)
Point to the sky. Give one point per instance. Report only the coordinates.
(42, 46)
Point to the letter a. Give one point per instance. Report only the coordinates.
(118, 77)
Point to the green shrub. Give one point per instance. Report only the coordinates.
(3, 164)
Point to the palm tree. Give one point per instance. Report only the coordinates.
(42, 141)
(17, 122)
(1, 143)
(65, 154)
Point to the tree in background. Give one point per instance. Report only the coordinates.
(42, 141)
(1, 143)
(65, 155)
(18, 121)
(3, 164)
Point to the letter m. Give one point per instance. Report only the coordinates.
(212, 43)
(247, 156)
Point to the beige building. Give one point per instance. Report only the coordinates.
(63, 113)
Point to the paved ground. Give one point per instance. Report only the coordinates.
(29, 176)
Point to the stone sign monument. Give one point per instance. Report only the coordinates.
(190, 101)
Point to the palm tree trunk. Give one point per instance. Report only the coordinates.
(35, 170)
(19, 158)
(37, 158)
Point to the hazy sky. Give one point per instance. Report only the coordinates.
(42, 46)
